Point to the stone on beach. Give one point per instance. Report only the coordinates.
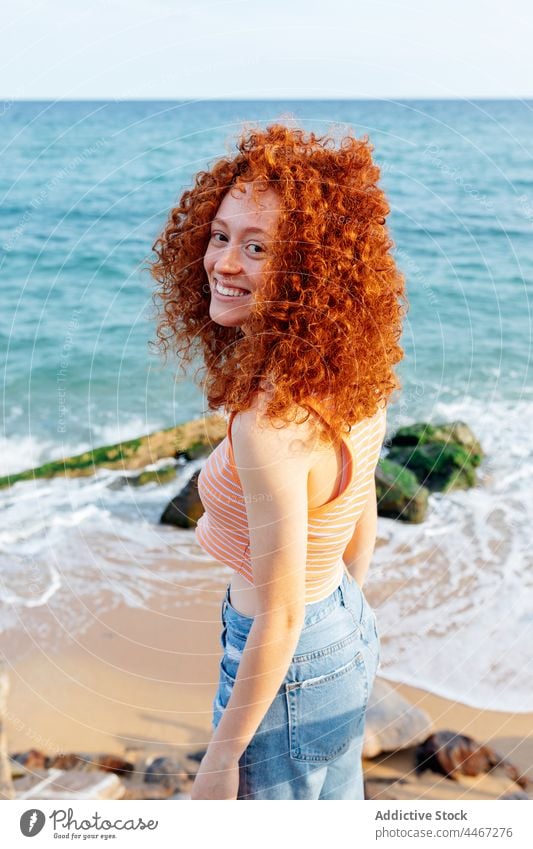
(166, 771)
(34, 759)
(161, 476)
(112, 763)
(185, 508)
(74, 784)
(76, 775)
(392, 722)
(399, 493)
(442, 456)
(451, 754)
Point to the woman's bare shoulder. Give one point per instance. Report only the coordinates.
(291, 436)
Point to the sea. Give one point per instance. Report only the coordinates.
(85, 190)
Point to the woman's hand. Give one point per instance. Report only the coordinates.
(216, 778)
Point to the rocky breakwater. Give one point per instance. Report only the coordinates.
(153, 458)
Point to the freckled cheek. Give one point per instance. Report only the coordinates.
(258, 279)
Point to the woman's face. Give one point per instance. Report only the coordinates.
(241, 237)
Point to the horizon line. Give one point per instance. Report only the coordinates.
(117, 99)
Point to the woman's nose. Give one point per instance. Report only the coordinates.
(228, 260)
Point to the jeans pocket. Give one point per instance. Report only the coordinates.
(326, 713)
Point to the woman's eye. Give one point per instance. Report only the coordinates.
(253, 247)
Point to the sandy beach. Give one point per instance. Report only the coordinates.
(141, 681)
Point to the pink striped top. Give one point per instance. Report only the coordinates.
(222, 531)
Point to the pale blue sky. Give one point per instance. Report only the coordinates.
(255, 49)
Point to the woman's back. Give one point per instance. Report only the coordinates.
(223, 529)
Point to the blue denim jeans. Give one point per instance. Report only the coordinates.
(308, 745)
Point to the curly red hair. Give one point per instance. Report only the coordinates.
(328, 321)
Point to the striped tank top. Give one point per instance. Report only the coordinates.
(222, 530)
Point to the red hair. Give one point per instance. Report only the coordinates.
(328, 321)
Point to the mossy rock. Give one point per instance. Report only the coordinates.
(191, 440)
(423, 433)
(159, 476)
(442, 456)
(399, 493)
(439, 466)
(199, 437)
(200, 448)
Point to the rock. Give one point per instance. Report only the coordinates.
(17, 770)
(159, 476)
(32, 759)
(199, 449)
(443, 457)
(440, 468)
(190, 440)
(185, 508)
(399, 493)
(197, 756)
(452, 754)
(113, 763)
(423, 433)
(165, 771)
(71, 760)
(75, 784)
(392, 722)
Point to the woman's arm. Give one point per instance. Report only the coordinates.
(273, 465)
(358, 553)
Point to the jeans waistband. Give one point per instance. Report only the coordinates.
(343, 596)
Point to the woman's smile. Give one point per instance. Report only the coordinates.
(225, 290)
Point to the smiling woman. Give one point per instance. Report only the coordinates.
(276, 264)
(234, 260)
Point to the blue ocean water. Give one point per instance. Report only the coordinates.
(86, 188)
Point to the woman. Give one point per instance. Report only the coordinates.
(276, 267)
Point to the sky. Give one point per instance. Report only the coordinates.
(265, 49)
